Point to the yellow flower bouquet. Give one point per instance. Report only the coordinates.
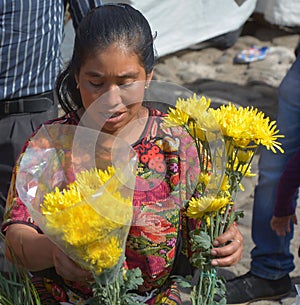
(78, 185)
(226, 140)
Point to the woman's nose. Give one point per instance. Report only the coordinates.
(112, 96)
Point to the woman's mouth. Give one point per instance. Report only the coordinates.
(113, 117)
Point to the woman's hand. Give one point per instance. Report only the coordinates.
(282, 225)
(231, 253)
(68, 269)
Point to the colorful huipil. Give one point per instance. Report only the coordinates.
(167, 174)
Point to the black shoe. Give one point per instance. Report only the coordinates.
(250, 288)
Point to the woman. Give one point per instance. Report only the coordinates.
(104, 85)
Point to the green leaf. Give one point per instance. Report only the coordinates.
(15, 284)
(133, 279)
(200, 240)
(118, 292)
(184, 282)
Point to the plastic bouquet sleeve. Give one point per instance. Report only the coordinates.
(78, 185)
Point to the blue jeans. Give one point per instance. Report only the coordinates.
(271, 256)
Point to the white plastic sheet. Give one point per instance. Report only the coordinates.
(280, 12)
(182, 23)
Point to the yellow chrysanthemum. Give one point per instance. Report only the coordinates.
(59, 200)
(207, 220)
(193, 106)
(204, 178)
(105, 175)
(225, 184)
(246, 170)
(247, 125)
(207, 122)
(82, 216)
(103, 254)
(116, 208)
(219, 203)
(196, 132)
(176, 117)
(198, 207)
(195, 110)
(244, 156)
(241, 167)
(85, 187)
(80, 224)
(89, 181)
(268, 135)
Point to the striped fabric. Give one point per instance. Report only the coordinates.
(31, 32)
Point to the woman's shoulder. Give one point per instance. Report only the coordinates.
(70, 118)
(154, 112)
(157, 128)
(158, 107)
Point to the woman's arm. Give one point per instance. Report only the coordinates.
(37, 252)
(32, 250)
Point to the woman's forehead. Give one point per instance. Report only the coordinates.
(113, 60)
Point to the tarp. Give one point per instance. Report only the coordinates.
(183, 23)
(280, 12)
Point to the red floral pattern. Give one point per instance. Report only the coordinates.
(58, 293)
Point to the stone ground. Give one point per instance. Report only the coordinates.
(211, 72)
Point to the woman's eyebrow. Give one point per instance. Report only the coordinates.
(94, 74)
(130, 74)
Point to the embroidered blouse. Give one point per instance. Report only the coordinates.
(166, 175)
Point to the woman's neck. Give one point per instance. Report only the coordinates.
(131, 133)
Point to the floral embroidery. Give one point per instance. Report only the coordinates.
(58, 293)
(152, 227)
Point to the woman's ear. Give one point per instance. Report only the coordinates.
(148, 78)
(76, 80)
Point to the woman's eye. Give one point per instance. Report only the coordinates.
(127, 85)
(95, 84)
(123, 85)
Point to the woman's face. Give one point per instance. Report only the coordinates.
(112, 84)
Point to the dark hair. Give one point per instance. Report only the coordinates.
(103, 26)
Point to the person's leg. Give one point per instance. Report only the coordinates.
(15, 129)
(271, 258)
